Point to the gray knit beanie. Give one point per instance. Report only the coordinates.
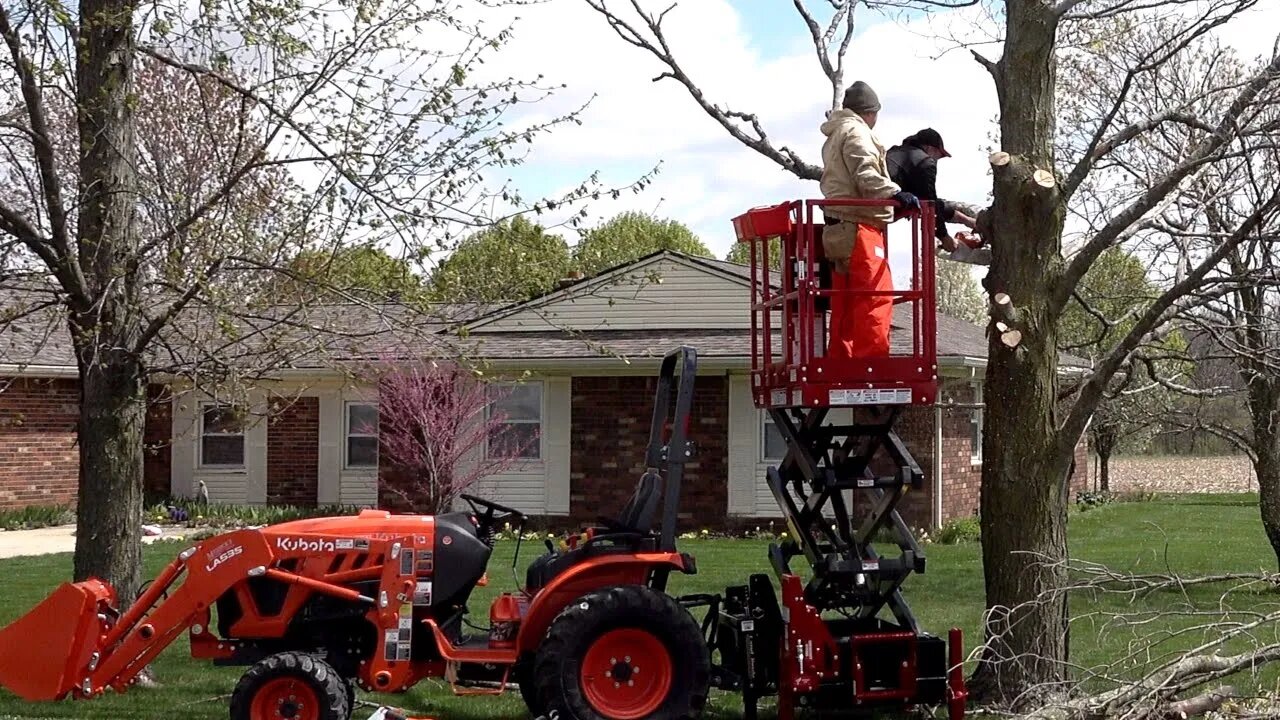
(860, 98)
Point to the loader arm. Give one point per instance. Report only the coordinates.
(99, 651)
(93, 650)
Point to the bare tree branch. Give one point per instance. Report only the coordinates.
(58, 246)
(1160, 190)
(656, 45)
(1092, 390)
(991, 67)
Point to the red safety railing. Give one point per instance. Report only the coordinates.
(789, 308)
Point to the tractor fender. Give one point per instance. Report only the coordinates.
(589, 575)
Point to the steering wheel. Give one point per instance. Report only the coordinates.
(489, 513)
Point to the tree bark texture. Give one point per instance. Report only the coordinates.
(1105, 439)
(106, 328)
(1024, 475)
(1262, 385)
(1264, 403)
(109, 515)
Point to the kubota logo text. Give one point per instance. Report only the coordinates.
(304, 545)
(221, 554)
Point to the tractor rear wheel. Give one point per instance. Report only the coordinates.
(623, 653)
(528, 688)
(291, 686)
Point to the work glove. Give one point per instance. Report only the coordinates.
(906, 204)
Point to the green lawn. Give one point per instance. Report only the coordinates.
(1188, 535)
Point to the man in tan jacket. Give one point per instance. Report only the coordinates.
(854, 166)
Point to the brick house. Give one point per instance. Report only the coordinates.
(591, 350)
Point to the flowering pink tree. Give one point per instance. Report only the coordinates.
(440, 431)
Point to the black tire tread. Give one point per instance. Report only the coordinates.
(330, 687)
(601, 610)
(524, 678)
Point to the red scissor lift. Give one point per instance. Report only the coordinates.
(838, 486)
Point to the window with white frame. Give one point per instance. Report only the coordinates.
(975, 425)
(221, 436)
(362, 435)
(517, 410)
(772, 446)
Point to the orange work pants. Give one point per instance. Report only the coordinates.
(860, 324)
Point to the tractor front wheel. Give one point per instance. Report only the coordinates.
(623, 653)
(291, 686)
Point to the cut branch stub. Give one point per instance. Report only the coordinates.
(1003, 311)
(1011, 338)
(1044, 179)
(1000, 158)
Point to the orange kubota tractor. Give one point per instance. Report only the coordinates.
(315, 607)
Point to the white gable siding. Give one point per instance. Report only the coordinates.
(665, 293)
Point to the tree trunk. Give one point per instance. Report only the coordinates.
(113, 404)
(1104, 442)
(1024, 474)
(1264, 403)
(106, 325)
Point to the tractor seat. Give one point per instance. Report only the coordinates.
(637, 514)
(636, 519)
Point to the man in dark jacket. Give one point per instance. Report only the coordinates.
(913, 165)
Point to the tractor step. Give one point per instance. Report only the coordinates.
(390, 713)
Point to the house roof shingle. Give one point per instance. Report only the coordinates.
(320, 336)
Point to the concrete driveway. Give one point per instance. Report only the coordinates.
(53, 540)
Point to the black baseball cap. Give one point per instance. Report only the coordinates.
(929, 136)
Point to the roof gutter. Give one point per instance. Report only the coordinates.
(575, 365)
(613, 365)
(39, 371)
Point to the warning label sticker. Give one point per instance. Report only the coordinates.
(870, 396)
(422, 593)
(391, 639)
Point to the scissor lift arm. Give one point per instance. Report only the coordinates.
(823, 643)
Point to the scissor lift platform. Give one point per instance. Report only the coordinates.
(789, 363)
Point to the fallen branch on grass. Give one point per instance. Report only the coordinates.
(1154, 697)
(1197, 706)
(1142, 585)
(1170, 678)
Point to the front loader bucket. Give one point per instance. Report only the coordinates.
(47, 653)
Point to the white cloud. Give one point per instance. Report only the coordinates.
(707, 177)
